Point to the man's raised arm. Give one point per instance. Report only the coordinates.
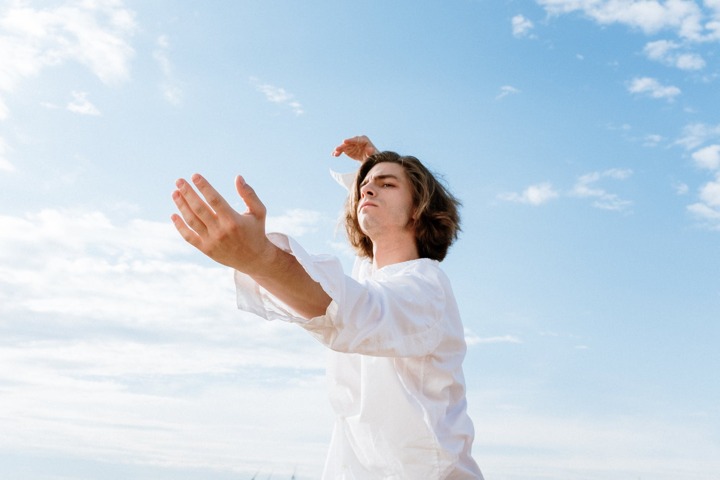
(238, 240)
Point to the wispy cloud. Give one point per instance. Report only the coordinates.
(171, 90)
(94, 34)
(686, 19)
(521, 26)
(120, 343)
(532, 195)
(586, 187)
(653, 88)
(296, 222)
(524, 444)
(5, 164)
(80, 104)
(695, 134)
(506, 90)
(652, 140)
(278, 95)
(681, 188)
(668, 53)
(696, 139)
(471, 338)
(707, 209)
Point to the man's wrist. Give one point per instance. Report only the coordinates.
(264, 262)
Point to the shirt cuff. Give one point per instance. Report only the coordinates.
(324, 269)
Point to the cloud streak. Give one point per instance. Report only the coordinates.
(585, 187)
(533, 195)
(279, 95)
(170, 87)
(506, 90)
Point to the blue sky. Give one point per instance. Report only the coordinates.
(581, 135)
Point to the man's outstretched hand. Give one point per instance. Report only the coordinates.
(358, 148)
(212, 226)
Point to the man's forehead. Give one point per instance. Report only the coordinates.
(387, 169)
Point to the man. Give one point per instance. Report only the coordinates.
(395, 370)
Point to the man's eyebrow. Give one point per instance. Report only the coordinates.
(381, 177)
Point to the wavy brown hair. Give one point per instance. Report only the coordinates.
(436, 220)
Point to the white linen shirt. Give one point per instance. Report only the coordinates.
(395, 371)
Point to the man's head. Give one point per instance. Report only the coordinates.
(434, 214)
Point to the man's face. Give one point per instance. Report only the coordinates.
(386, 204)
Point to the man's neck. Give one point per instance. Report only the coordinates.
(389, 251)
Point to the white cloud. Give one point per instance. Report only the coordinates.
(666, 52)
(681, 188)
(506, 90)
(653, 88)
(585, 187)
(80, 104)
(121, 343)
(690, 61)
(92, 33)
(685, 18)
(278, 95)
(710, 193)
(296, 222)
(706, 212)
(652, 140)
(532, 195)
(708, 208)
(696, 134)
(708, 157)
(660, 50)
(521, 26)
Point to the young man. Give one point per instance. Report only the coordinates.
(395, 370)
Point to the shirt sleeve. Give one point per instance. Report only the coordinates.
(345, 180)
(399, 315)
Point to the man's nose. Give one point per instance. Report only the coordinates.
(367, 190)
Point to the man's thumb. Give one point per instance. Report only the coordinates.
(248, 195)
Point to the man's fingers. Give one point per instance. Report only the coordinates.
(213, 198)
(357, 148)
(197, 205)
(187, 212)
(347, 145)
(248, 195)
(186, 232)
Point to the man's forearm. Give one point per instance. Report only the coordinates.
(284, 277)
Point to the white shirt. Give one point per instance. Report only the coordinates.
(395, 371)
